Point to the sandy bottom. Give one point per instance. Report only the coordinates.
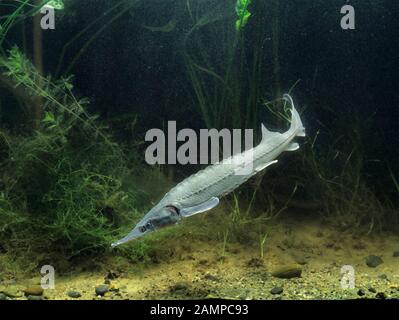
(310, 255)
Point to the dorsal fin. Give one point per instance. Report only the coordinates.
(267, 135)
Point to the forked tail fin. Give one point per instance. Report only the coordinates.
(296, 123)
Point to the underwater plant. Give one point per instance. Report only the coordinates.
(55, 4)
(226, 83)
(242, 13)
(20, 13)
(99, 24)
(62, 186)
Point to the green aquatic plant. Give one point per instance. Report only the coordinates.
(55, 4)
(23, 9)
(9, 20)
(262, 241)
(63, 188)
(394, 180)
(100, 24)
(242, 13)
(333, 175)
(226, 82)
(224, 245)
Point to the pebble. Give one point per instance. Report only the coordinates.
(101, 289)
(11, 282)
(371, 289)
(287, 272)
(74, 294)
(361, 292)
(179, 286)
(211, 277)
(12, 292)
(277, 290)
(301, 260)
(3, 296)
(35, 298)
(112, 275)
(383, 277)
(35, 290)
(373, 261)
(255, 263)
(381, 295)
(359, 246)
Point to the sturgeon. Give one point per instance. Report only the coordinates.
(201, 191)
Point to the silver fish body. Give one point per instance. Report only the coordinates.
(201, 191)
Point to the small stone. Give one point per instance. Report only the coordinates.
(35, 298)
(373, 261)
(329, 244)
(300, 260)
(203, 262)
(372, 290)
(221, 258)
(396, 254)
(12, 292)
(361, 292)
(112, 275)
(211, 277)
(179, 287)
(35, 290)
(359, 246)
(11, 282)
(381, 295)
(319, 234)
(3, 296)
(102, 289)
(383, 276)
(74, 294)
(277, 290)
(287, 272)
(255, 263)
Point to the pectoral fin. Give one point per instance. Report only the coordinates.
(202, 207)
(264, 166)
(292, 147)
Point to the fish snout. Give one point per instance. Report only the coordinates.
(164, 217)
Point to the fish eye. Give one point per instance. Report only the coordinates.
(173, 209)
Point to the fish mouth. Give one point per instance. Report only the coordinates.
(134, 234)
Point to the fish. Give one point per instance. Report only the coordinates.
(202, 191)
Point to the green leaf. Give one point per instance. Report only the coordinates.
(49, 118)
(242, 13)
(55, 4)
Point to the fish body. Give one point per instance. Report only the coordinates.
(201, 191)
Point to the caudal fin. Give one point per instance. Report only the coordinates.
(296, 123)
